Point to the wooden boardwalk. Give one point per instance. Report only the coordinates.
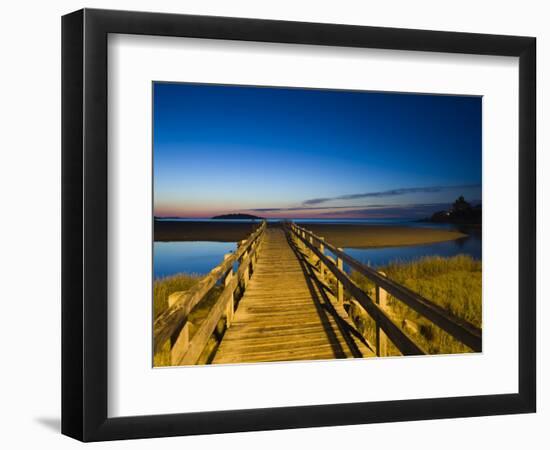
(283, 298)
(285, 314)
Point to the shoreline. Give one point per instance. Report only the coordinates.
(379, 236)
(340, 235)
(202, 231)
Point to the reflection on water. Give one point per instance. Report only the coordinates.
(469, 245)
(383, 256)
(198, 257)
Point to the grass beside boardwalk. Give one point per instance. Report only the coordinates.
(453, 283)
(162, 288)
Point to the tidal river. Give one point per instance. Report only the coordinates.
(202, 256)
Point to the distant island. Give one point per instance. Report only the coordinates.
(237, 216)
(461, 212)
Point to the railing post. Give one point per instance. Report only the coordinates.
(340, 290)
(246, 274)
(231, 304)
(381, 338)
(322, 250)
(311, 253)
(179, 345)
(257, 246)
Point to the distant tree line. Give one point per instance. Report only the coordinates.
(460, 212)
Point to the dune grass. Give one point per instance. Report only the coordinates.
(452, 283)
(162, 288)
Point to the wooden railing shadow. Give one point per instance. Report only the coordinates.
(386, 329)
(325, 305)
(331, 290)
(320, 306)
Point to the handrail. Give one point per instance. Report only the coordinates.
(403, 342)
(460, 329)
(172, 320)
(224, 304)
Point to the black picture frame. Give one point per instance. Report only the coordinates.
(84, 224)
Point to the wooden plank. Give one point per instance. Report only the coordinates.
(381, 338)
(270, 327)
(291, 333)
(206, 328)
(282, 344)
(281, 316)
(277, 358)
(286, 354)
(180, 346)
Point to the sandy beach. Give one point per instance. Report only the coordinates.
(371, 236)
(355, 236)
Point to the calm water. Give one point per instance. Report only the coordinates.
(470, 245)
(201, 257)
(198, 257)
(407, 222)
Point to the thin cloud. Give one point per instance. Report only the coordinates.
(412, 210)
(389, 193)
(308, 208)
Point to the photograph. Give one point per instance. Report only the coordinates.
(255, 203)
(300, 224)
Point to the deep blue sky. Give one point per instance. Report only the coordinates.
(283, 152)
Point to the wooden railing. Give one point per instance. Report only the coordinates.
(461, 330)
(173, 326)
